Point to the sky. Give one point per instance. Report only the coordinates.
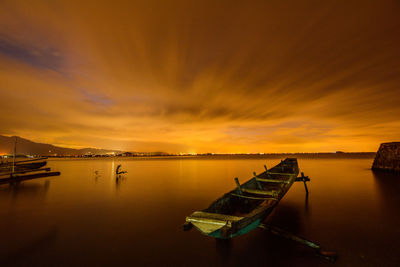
(201, 76)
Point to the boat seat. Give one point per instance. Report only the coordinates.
(280, 173)
(272, 181)
(208, 222)
(213, 218)
(254, 197)
(272, 193)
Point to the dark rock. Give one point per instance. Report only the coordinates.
(388, 157)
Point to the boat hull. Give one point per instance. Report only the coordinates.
(23, 166)
(243, 209)
(250, 227)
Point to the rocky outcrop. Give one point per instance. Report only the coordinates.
(388, 157)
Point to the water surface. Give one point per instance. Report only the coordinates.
(79, 218)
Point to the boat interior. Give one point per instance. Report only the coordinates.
(262, 190)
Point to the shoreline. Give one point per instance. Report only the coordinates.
(362, 155)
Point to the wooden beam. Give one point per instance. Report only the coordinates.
(302, 178)
(238, 185)
(328, 255)
(21, 178)
(273, 193)
(25, 171)
(259, 186)
(255, 198)
(280, 173)
(273, 181)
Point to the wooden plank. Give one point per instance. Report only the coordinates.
(280, 173)
(208, 222)
(272, 181)
(261, 192)
(21, 178)
(212, 216)
(24, 171)
(238, 185)
(255, 198)
(328, 255)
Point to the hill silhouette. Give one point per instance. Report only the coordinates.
(27, 147)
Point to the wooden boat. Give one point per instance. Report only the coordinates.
(21, 170)
(23, 166)
(244, 208)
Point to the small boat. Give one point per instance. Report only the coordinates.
(248, 205)
(21, 170)
(22, 166)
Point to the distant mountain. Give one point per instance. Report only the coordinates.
(27, 147)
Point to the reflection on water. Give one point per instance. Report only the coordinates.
(29, 248)
(388, 185)
(306, 207)
(120, 178)
(89, 216)
(388, 188)
(23, 190)
(223, 248)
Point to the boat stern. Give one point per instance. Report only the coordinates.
(211, 224)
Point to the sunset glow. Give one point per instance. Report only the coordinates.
(205, 76)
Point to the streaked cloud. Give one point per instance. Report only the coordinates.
(201, 76)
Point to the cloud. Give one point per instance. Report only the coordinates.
(201, 76)
(37, 57)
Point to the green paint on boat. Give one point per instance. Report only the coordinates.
(248, 228)
(245, 230)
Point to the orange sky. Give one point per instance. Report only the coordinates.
(201, 76)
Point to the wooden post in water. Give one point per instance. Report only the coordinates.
(304, 181)
(328, 255)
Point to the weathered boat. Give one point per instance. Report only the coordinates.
(18, 171)
(244, 208)
(21, 166)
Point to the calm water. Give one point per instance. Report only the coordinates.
(80, 219)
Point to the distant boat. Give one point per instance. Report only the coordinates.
(18, 171)
(26, 165)
(24, 170)
(246, 207)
